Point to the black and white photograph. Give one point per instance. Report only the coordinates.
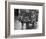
(25, 19)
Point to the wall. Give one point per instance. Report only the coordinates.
(2, 19)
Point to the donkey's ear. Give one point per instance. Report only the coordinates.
(37, 11)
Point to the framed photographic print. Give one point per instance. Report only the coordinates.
(24, 19)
